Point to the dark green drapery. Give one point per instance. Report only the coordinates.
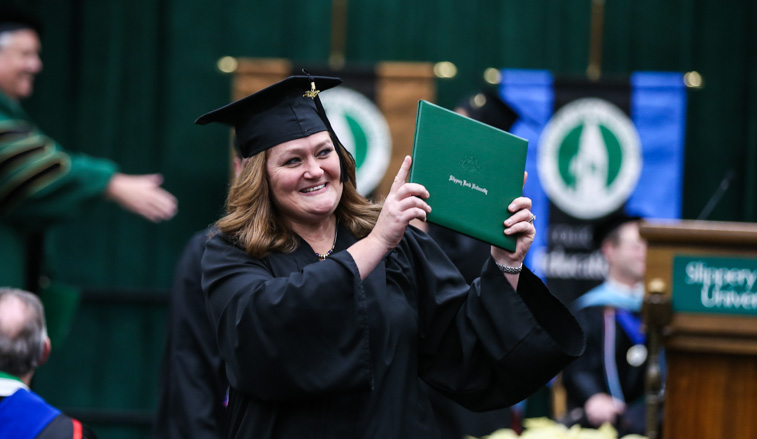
(126, 79)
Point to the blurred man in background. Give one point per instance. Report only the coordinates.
(40, 183)
(606, 384)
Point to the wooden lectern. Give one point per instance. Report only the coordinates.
(709, 270)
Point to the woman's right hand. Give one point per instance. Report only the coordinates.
(404, 203)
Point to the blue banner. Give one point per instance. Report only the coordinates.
(595, 148)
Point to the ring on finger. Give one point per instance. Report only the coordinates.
(533, 217)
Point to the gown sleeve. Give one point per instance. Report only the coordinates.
(486, 345)
(41, 183)
(300, 335)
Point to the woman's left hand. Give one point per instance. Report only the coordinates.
(520, 223)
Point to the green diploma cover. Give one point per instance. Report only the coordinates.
(471, 170)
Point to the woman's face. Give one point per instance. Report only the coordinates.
(303, 175)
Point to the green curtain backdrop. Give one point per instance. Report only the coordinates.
(126, 79)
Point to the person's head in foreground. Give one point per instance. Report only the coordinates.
(296, 172)
(24, 345)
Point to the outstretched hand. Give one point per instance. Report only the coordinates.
(142, 194)
(404, 203)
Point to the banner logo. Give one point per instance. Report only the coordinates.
(589, 158)
(363, 130)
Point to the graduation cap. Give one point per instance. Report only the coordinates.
(604, 228)
(485, 106)
(287, 110)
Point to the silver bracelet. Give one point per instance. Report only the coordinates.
(508, 269)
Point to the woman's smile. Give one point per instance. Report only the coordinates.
(314, 188)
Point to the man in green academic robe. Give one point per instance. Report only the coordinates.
(40, 183)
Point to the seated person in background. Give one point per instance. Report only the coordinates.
(329, 310)
(24, 346)
(606, 384)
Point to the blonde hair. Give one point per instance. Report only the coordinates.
(253, 222)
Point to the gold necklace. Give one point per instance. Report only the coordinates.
(323, 256)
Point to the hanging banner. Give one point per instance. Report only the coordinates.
(596, 148)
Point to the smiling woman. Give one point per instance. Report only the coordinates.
(329, 310)
(305, 180)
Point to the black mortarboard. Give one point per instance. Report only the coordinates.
(284, 111)
(13, 20)
(485, 106)
(605, 227)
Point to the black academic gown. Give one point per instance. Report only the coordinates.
(455, 421)
(193, 382)
(313, 351)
